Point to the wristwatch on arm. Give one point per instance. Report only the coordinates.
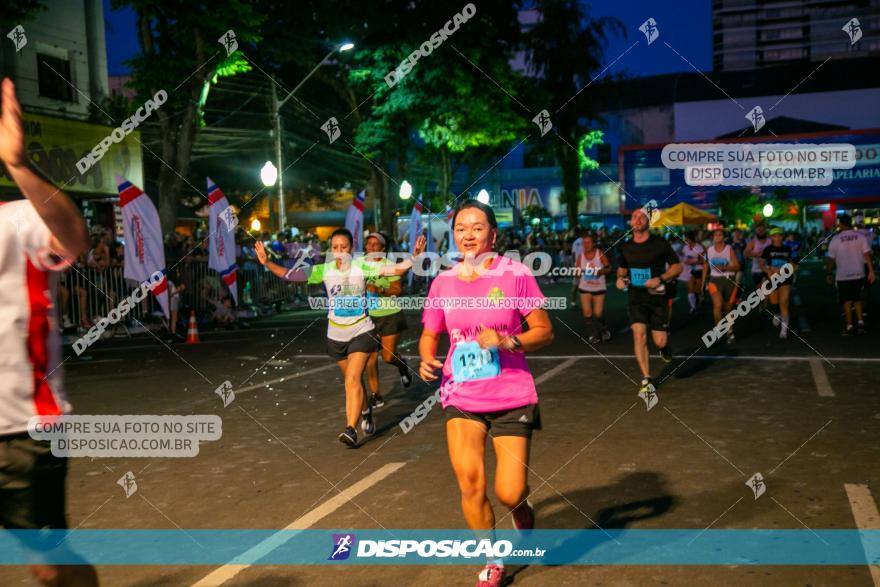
(515, 343)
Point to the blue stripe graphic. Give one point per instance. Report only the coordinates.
(426, 547)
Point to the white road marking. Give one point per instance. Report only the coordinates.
(823, 386)
(286, 377)
(865, 513)
(234, 567)
(558, 368)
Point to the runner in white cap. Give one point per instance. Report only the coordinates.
(774, 257)
(387, 317)
(349, 327)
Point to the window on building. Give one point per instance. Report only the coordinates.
(54, 78)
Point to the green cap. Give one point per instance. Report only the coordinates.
(776, 230)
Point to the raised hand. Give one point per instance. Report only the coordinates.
(12, 151)
(420, 246)
(261, 253)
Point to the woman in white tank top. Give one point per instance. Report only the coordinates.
(693, 259)
(723, 266)
(594, 266)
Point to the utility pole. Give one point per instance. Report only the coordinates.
(279, 161)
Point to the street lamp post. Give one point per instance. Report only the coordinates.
(276, 117)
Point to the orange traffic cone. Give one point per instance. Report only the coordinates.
(192, 332)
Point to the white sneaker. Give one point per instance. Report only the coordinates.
(776, 320)
(783, 332)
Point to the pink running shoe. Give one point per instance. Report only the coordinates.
(524, 516)
(491, 576)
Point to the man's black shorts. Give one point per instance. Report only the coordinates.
(758, 279)
(389, 325)
(671, 288)
(649, 309)
(31, 484)
(516, 422)
(363, 343)
(850, 290)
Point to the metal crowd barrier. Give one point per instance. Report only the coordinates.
(88, 292)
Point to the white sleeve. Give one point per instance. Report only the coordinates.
(866, 244)
(28, 225)
(832, 248)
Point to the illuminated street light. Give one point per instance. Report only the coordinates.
(269, 174)
(255, 224)
(768, 210)
(483, 196)
(405, 190)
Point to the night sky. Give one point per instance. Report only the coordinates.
(685, 25)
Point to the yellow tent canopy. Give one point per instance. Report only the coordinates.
(681, 214)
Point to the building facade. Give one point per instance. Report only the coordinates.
(748, 34)
(60, 73)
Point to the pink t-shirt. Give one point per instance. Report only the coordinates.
(501, 300)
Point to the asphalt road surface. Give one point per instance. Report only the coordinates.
(804, 412)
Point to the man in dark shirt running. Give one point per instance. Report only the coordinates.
(643, 272)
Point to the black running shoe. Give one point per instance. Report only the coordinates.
(405, 375)
(349, 437)
(849, 330)
(376, 400)
(666, 354)
(860, 329)
(524, 516)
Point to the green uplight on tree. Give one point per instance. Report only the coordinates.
(588, 141)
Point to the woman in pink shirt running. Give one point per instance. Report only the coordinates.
(487, 389)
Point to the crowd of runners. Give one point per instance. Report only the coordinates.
(486, 387)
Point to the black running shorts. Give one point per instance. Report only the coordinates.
(389, 325)
(850, 290)
(649, 309)
(515, 422)
(31, 485)
(363, 343)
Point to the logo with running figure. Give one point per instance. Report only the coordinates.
(128, 483)
(343, 544)
(19, 39)
(757, 485)
(650, 30)
(853, 29)
(756, 117)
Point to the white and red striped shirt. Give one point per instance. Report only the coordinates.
(31, 379)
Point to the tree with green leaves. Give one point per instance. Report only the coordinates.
(566, 51)
(181, 54)
(446, 111)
